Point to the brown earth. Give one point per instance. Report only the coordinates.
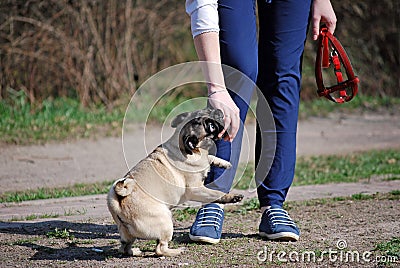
(362, 224)
(344, 228)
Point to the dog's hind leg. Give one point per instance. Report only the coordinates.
(126, 242)
(126, 248)
(163, 250)
(165, 237)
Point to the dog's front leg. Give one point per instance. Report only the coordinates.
(219, 162)
(206, 195)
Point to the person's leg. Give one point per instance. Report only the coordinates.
(283, 30)
(238, 41)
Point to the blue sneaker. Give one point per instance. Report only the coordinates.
(208, 224)
(277, 225)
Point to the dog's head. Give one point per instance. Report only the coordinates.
(196, 127)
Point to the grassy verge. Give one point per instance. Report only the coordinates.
(63, 118)
(253, 204)
(310, 170)
(390, 248)
(78, 189)
(358, 105)
(23, 123)
(335, 169)
(348, 168)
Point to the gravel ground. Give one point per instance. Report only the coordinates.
(83, 234)
(334, 234)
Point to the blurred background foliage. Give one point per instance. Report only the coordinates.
(99, 51)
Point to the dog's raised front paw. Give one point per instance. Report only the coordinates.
(237, 198)
(230, 198)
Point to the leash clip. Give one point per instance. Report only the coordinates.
(331, 53)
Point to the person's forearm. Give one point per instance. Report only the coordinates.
(207, 48)
(205, 31)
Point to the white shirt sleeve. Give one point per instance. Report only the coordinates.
(203, 16)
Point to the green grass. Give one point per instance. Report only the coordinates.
(354, 198)
(58, 119)
(347, 168)
(362, 196)
(244, 178)
(61, 234)
(63, 118)
(36, 216)
(184, 214)
(24, 241)
(395, 192)
(359, 104)
(334, 169)
(390, 248)
(31, 217)
(46, 193)
(248, 205)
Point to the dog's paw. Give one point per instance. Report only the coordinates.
(227, 165)
(216, 161)
(169, 252)
(230, 198)
(237, 198)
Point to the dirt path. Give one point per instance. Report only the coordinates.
(350, 229)
(91, 238)
(85, 161)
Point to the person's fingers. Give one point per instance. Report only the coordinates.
(331, 25)
(231, 119)
(227, 123)
(322, 12)
(315, 28)
(235, 124)
(231, 126)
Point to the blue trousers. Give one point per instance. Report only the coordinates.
(274, 63)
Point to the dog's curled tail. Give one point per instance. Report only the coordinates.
(124, 186)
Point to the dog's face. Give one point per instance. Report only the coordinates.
(196, 127)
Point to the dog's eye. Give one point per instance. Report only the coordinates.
(211, 127)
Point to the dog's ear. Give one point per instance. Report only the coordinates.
(190, 144)
(217, 115)
(179, 119)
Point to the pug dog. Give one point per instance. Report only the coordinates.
(172, 174)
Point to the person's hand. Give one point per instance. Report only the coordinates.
(322, 12)
(223, 101)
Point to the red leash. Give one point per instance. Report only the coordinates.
(331, 53)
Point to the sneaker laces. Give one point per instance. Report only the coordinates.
(279, 216)
(210, 216)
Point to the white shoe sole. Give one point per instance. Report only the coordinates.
(203, 239)
(286, 236)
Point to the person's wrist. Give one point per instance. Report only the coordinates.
(216, 91)
(216, 88)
